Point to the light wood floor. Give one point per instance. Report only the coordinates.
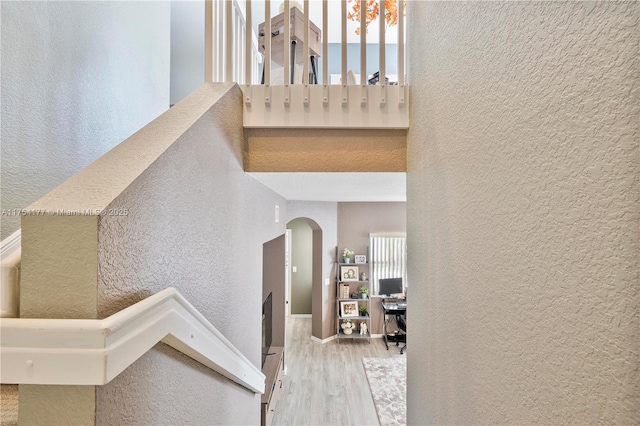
(326, 383)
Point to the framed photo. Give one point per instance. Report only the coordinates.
(360, 258)
(349, 309)
(348, 273)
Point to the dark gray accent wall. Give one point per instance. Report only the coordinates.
(357, 220)
(302, 261)
(273, 276)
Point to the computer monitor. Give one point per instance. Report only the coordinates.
(390, 286)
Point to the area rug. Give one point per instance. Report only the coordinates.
(388, 382)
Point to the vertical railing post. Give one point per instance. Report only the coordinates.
(228, 77)
(248, 39)
(382, 74)
(363, 51)
(208, 41)
(288, 69)
(345, 94)
(305, 45)
(401, 82)
(267, 52)
(305, 54)
(307, 40)
(236, 46)
(325, 52)
(239, 48)
(218, 40)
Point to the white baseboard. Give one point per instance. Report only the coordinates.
(300, 315)
(335, 336)
(323, 341)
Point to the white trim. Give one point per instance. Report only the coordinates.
(301, 315)
(11, 244)
(10, 258)
(334, 113)
(323, 341)
(287, 280)
(93, 352)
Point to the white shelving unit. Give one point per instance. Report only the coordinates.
(353, 288)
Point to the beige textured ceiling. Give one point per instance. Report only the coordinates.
(336, 186)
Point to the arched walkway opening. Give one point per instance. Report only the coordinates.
(304, 271)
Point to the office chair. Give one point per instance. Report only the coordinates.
(402, 325)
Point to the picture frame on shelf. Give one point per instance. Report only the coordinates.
(360, 258)
(349, 309)
(348, 273)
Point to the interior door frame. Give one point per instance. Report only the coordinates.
(287, 280)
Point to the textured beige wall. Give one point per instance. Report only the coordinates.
(53, 285)
(195, 221)
(523, 213)
(325, 150)
(77, 79)
(65, 405)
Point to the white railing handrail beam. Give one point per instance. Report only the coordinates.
(93, 352)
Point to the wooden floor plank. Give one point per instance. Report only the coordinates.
(326, 383)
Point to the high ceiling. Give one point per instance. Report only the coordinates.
(336, 186)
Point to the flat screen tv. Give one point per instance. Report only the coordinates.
(390, 286)
(267, 326)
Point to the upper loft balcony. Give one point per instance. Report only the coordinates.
(324, 65)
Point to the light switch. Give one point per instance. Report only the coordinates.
(294, 269)
(326, 281)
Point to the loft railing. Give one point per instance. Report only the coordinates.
(231, 47)
(233, 55)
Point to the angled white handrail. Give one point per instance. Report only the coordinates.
(93, 352)
(10, 258)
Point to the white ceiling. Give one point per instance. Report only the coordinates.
(336, 186)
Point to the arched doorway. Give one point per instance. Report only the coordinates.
(304, 288)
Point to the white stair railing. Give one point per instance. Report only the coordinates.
(93, 352)
(231, 47)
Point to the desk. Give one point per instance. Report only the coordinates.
(392, 308)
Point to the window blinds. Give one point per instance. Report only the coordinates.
(388, 258)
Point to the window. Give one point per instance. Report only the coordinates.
(387, 258)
